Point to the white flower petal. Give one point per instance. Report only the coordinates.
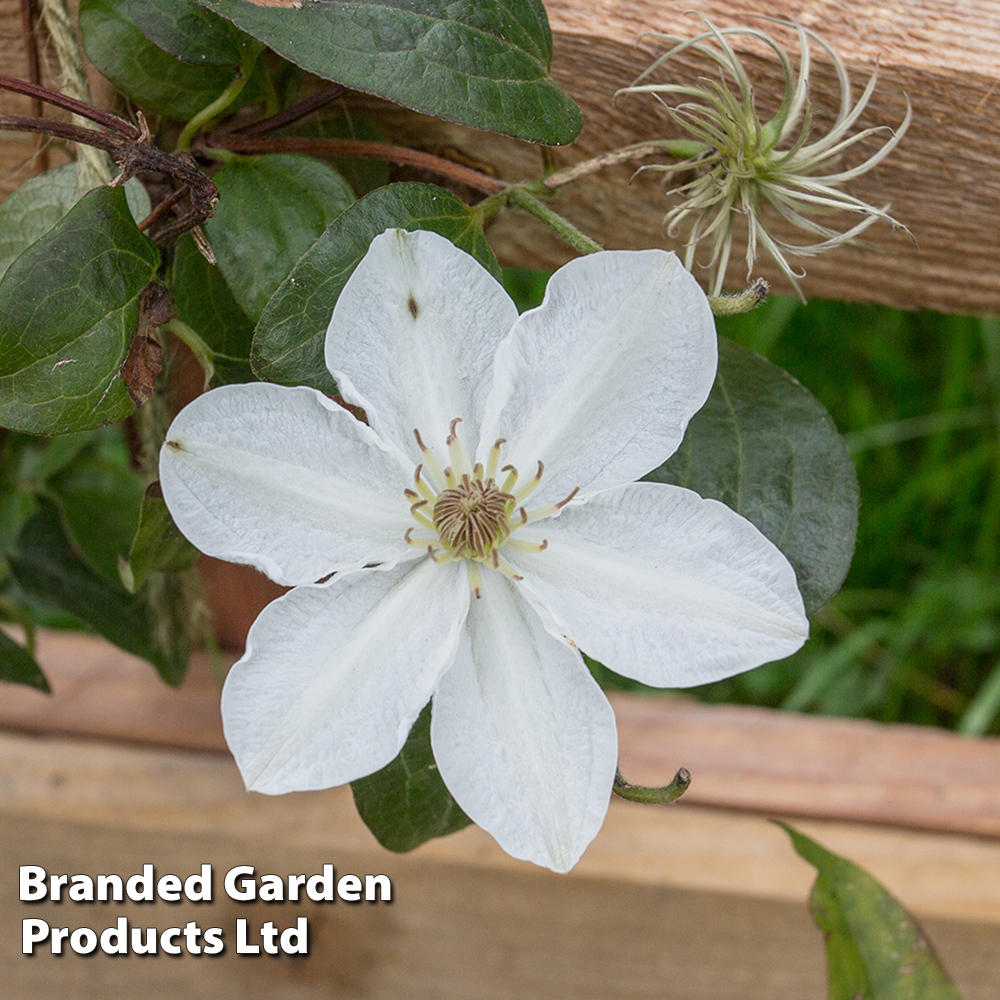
(413, 336)
(664, 586)
(335, 675)
(523, 736)
(285, 480)
(599, 382)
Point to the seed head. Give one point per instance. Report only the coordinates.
(743, 165)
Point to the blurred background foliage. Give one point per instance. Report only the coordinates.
(914, 634)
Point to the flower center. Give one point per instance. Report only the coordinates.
(472, 518)
(462, 512)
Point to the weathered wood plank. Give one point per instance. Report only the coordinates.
(752, 759)
(942, 182)
(701, 903)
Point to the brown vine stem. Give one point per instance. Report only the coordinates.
(293, 114)
(133, 158)
(354, 147)
(53, 97)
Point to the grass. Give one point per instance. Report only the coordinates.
(914, 634)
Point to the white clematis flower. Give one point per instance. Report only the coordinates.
(482, 530)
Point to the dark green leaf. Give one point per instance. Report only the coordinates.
(765, 447)
(41, 462)
(205, 303)
(478, 62)
(363, 175)
(46, 566)
(189, 32)
(406, 803)
(288, 341)
(99, 501)
(18, 666)
(15, 509)
(148, 75)
(158, 545)
(271, 211)
(26, 463)
(875, 949)
(68, 309)
(28, 213)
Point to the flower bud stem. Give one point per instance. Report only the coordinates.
(653, 796)
(565, 230)
(741, 302)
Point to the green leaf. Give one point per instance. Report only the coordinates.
(158, 545)
(362, 174)
(765, 447)
(478, 62)
(18, 666)
(148, 75)
(68, 310)
(189, 32)
(406, 803)
(41, 201)
(271, 211)
(46, 566)
(205, 303)
(288, 341)
(99, 501)
(875, 949)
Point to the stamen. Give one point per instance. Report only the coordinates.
(449, 478)
(494, 460)
(425, 491)
(430, 460)
(508, 483)
(456, 449)
(505, 567)
(562, 503)
(477, 472)
(475, 579)
(420, 517)
(540, 513)
(439, 556)
(412, 495)
(416, 543)
(522, 546)
(531, 485)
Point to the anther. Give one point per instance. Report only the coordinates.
(505, 567)
(522, 546)
(411, 495)
(425, 491)
(530, 486)
(562, 503)
(477, 471)
(449, 478)
(460, 460)
(433, 467)
(508, 483)
(475, 580)
(494, 460)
